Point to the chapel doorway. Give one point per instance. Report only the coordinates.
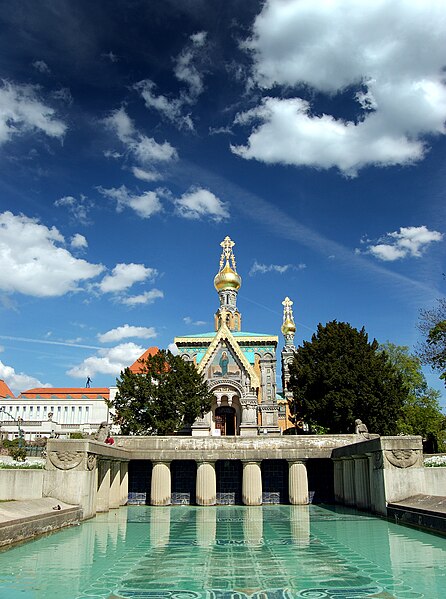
(225, 420)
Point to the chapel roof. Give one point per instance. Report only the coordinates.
(137, 367)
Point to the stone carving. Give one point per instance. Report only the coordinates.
(402, 458)
(103, 432)
(66, 460)
(378, 460)
(91, 461)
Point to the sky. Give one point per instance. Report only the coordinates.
(135, 135)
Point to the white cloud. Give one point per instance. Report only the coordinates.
(390, 53)
(19, 381)
(78, 241)
(63, 94)
(41, 66)
(124, 276)
(145, 205)
(145, 150)
(32, 261)
(21, 111)
(148, 297)
(78, 208)
(170, 108)
(407, 242)
(108, 361)
(110, 55)
(199, 203)
(127, 331)
(145, 175)
(258, 268)
(185, 69)
(195, 323)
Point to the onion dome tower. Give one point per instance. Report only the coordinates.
(287, 355)
(227, 283)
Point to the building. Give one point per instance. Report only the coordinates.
(239, 366)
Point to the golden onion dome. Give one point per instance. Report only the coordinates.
(288, 327)
(227, 278)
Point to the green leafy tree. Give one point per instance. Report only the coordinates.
(432, 350)
(167, 395)
(421, 413)
(339, 376)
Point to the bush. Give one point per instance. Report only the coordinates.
(77, 435)
(18, 453)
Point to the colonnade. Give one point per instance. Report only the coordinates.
(206, 483)
(113, 483)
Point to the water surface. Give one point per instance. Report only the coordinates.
(228, 552)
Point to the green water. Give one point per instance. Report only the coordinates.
(228, 552)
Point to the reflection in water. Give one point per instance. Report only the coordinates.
(228, 552)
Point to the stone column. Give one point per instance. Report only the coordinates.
(103, 496)
(124, 483)
(160, 490)
(348, 478)
(252, 483)
(338, 482)
(115, 485)
(206, 483)
(297, 482)
(362, 484)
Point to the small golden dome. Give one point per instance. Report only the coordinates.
(288, 327)
(227, 279)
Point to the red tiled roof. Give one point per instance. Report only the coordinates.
(66, 393)
(5, 391)
(136, 367)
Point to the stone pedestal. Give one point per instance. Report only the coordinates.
(103, 496)
(297, 482)
(206, 484)
(160, 490)
(115, 485)
(338, 481)
(124, 483)
(362, 483)
(252, 483)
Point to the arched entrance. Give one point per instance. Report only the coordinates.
(225, 420)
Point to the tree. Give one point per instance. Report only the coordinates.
(339, 376)
(165, 396)
(432, 324)
(421, 413)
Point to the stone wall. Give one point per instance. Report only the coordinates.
(21, 484)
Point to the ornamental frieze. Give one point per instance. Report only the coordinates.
(66, 460)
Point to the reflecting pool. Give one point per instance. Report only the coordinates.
(228, 552)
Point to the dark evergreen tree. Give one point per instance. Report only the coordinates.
(339, 376)
(166, 396)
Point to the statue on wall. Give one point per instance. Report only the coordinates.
(103, 432)
(361, 429)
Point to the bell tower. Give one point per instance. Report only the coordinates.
(227, 283)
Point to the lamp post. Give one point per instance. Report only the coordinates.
(19, 421)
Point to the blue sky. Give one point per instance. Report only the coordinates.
(136, 135)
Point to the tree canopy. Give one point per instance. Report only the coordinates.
(433, 349)
(421, 413)
(166, 396)
(339, 376)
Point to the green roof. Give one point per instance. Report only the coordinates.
(235, 333)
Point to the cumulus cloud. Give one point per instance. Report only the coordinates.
(78, 208)
(200, 203)
(145, 175)
(258, 268)
(41, 66)
(148, 297)
(145, 204)
(145, 150)
(127, 331)
(19, 381)
(124, 276)
(195, 323)
(108, 361)
(21, 111)
(78, 241)
(187, 70)
(32, 261)
(407, 242)
(390, 55)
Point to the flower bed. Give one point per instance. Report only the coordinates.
(435, 461)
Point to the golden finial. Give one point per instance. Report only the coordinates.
(227, 277)
(227, 254)
(288, 327)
